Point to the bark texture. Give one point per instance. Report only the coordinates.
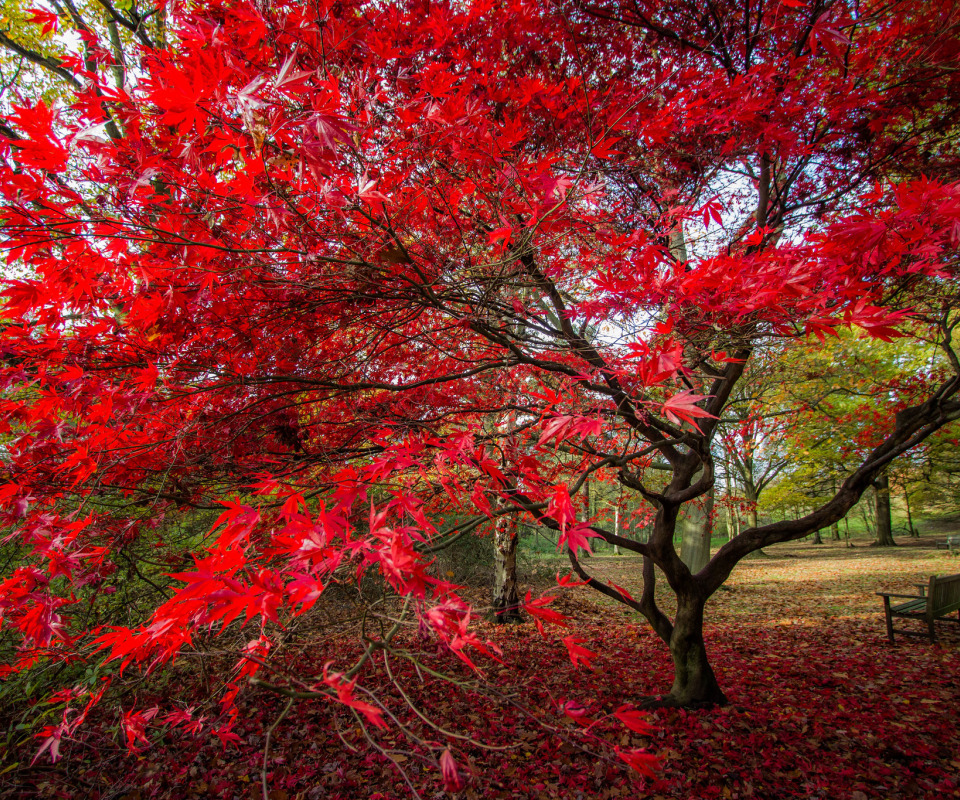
(884, 522)
(694, 681)
(506, 592)
(914, 533)
(696, 529)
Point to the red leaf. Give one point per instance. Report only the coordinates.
(539, 611)
(622, 591)
(368, 194)
(452, 780)
(562, 427)
(576, 712)
(500, 235)
(634, 720)
(579, 655)
(577, 538)
(684, 406)
(560, 506)
(569, 581)
(643, 762)
(48, 19)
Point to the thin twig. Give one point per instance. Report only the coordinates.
(266, 746)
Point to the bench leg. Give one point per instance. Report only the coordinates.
(889, 618)
(933, 632)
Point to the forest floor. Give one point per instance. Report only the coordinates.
(821, 706)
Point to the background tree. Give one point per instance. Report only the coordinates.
(832, 395)
(755, 431)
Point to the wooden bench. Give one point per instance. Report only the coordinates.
(941, 598)
(952, 543)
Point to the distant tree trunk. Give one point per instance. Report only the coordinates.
(835, 527)
(728, 514)
(816, 537)
(906, 499)
(728, 506)
(587, 514)
(696, 529)
(506, 593)
(752, 498)
(884, 523)
(616, 529)
(867, 512)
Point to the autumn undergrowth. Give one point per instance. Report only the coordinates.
(822, 706)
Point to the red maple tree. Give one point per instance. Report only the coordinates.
(346, 270)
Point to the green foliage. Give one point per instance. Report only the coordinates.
(841, 397)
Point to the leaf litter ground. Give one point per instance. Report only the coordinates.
(822, 706)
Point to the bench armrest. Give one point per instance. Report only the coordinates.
(892, 594)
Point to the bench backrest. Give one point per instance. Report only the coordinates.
(944, 594)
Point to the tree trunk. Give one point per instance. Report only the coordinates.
(728, 516)
(728, 504)
(867, 524)
(835, 527)
(694, 682)
(506, 593)
(914, 533)
(817, 538)
(752, 498)
(697, 528)
(884, 524)
(587, 515)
